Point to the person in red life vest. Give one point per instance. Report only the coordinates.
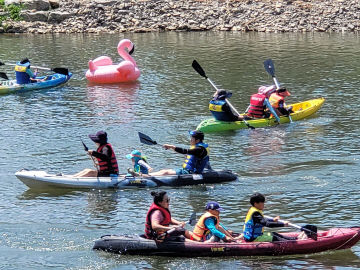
(255, 222)
(197, 158)
(259, 102)
(277, 101)
(209, 228)
(159, 221)
(220, 108)
(105, 156)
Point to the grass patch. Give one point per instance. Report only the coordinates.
(11, 12)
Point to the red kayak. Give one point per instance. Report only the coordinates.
(332, 239)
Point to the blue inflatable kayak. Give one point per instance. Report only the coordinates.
(52, 80)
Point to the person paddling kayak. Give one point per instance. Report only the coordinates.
(255, 222)
(105, 155)
(209, 228)
(220, 109)
(277, 101)
(24, 73)
(159, 220)
(197, 158)
(259, 102)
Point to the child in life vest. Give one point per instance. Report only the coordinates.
(141, 166)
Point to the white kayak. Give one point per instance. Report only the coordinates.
(42, 179)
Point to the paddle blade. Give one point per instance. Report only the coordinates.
(192, 220)
(146, 139)
(310, 231)
(63, 71)
(198, 69)
(269, 67)
(2, 64)
(3, 75)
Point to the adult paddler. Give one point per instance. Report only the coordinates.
(197, 158)
(24, 73)
(259, 102)
(159, 220)
(220, 109)
(105, 155)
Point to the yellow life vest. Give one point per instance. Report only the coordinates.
(251, 230)
(20, 68)
(275, 100)
(200, 230)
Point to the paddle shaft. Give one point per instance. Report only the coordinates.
(191, 220)
(293, 225)
(270, 68)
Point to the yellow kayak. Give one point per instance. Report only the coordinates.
(301, 111)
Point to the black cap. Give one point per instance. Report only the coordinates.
(196, 134)
(222, 94)
(99, 137)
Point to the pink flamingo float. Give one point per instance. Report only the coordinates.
(102, 69)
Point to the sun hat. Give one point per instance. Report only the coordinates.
(134, 154)
(99, 137)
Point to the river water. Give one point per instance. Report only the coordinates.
(308, 170)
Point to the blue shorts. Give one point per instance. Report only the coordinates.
(181, 171)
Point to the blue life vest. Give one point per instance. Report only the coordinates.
(216, 107)
(194, 164)
(140, 169)
(22, 77)
(251, 230)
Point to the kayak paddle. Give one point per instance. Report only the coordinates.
(270, 68)
(87, 149)
(310, 230)
(201, 71)
(192, 221)
(146, 139)
(63, 71)
(4, 76)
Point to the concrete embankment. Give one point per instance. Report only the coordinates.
(98, 16)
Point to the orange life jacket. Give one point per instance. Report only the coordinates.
(275, 100)
(200, 231)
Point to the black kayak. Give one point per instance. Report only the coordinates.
(331, 239)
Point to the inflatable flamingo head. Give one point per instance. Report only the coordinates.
(125, 43)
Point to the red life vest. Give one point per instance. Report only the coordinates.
(256, 109)
(105, 166)
(149, 232)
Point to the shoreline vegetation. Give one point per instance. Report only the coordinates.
(113, 16)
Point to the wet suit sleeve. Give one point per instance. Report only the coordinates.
(210, 224)
(230, 113)
(30, 73)
(271, 109)
(266, 222)
(199, 151)
(105, 154)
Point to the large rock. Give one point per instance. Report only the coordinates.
(39, 5)
(54, 4)
(58, 16)
(38, 16)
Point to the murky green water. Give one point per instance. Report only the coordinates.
(309, 170)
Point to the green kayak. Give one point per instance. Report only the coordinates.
(301, 111)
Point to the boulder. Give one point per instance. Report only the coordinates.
(58, 16)
(39, 5)
(37, 16)
(54, 4)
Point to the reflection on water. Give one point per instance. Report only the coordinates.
(115, 100)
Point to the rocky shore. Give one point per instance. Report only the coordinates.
(98, 16)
